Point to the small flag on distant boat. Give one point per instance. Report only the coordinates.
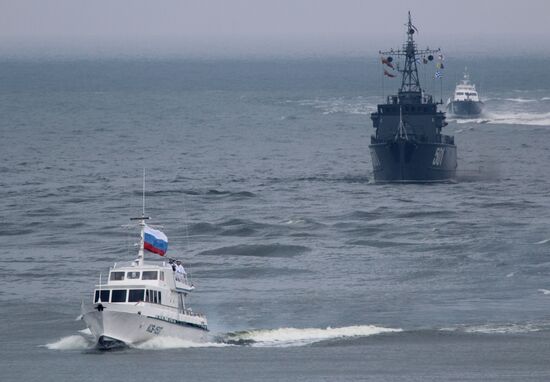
(388, 74)
(439, 65)
(438, 74)
(154, 241)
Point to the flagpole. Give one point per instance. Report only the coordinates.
(441, 88)
(143, 194)
(142, 225)
(383, 81)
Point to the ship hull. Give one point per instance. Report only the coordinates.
(404, 161)
(465, 109)
(114, 329)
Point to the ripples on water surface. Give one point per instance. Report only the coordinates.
(261, 176)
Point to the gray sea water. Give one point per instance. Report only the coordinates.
(260, 174)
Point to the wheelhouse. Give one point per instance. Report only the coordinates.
(130, 295)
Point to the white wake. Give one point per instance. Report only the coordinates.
(163, 343)
(284, 337)
(519, 118)
(74, 342)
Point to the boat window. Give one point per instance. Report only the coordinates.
(136, 295)
(160, 299)
(152, 296)
(104, 295)
(117, 276)
(150, 275)
(161, 276)
(132, 275)
(459, 93)
(118, 295)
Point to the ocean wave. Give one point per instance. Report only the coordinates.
(497, 328)
(244, 194)
(336, 179)
(545, 241)
(510, 99)
(341, 105)
(286, 337)
(260, 250)
(242, 273)
(544, 291)
(209, 192)
(232, 227)
(520, 100)
(522, 118)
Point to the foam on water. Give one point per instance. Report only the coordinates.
(281, 337)
(517, 118)
(544, 291)
(74, 342)
(86, 332)
(163, 343)
(516, 115)
(545, 241)
(285, 337)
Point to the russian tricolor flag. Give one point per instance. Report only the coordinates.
(155, 241)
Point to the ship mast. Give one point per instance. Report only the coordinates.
(410, 82)
(141, 223)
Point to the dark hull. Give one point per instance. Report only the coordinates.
(404, 161)
(465, 108)
(109, 343)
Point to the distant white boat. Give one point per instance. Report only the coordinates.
(466, 101)
(143, 300)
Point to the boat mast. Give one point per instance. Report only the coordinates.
(142, 224)
(410, 81)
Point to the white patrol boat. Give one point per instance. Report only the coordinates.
(465, 102)
(142, 300)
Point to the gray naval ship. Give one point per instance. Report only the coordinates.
(408, 145)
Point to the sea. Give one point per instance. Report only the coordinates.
(258, 171)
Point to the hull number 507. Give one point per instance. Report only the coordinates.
(154, 329)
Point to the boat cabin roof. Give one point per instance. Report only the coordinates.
(147, 274)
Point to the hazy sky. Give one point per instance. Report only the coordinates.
(218, 27)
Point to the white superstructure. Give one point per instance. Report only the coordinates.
(141, 300)
(465, 90)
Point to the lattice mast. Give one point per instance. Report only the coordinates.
(410, 81)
